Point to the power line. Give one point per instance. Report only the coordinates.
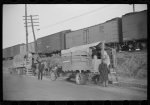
(76, 17)
(73, 17)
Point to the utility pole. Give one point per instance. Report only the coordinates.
(133, 7)
(31, 24)
(35, 42)
(26, 30)
(26, 26)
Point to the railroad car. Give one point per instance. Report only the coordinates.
(51, 43)
(11, 51)
(134, 29)
(31, 48)
(110, 31)
(7, 52)
(16, 49)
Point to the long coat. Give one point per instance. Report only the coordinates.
(40, 67)
(103, 69)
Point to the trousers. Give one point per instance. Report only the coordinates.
(40, 75)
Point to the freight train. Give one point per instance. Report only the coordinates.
(126, 33)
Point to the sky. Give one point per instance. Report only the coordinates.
(54, 18)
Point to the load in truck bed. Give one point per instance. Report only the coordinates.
(19, 61)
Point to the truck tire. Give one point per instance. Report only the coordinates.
(53, 76)
(80, 79)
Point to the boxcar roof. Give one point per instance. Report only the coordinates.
(133, 13)
(113, 19)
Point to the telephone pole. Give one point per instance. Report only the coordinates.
(26, 30)
(133, 7)
(35, 42)
(28, 24)
(32, 23)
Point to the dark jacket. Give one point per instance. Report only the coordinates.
(40, 66)
(33, 64)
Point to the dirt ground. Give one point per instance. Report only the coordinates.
(17, 87)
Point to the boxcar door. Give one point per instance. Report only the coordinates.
(86, 36)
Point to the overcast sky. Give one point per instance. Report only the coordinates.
(57, 17)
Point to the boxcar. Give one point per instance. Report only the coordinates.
(4, 53)
(134, 26)
(7, 52)
(16, 49)
(31, 48)
(50, 43)
(110, 31)
(11, 51)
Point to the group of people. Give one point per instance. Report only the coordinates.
(41, 67)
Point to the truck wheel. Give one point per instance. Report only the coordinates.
(53, 76)
(80, 79)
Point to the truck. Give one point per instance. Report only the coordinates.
(82, 62)
(22, 65)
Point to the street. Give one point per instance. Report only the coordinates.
(17, 87)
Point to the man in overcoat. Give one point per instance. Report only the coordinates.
(103, 69)
(40, 68)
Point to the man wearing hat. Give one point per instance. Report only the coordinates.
(40, 68)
